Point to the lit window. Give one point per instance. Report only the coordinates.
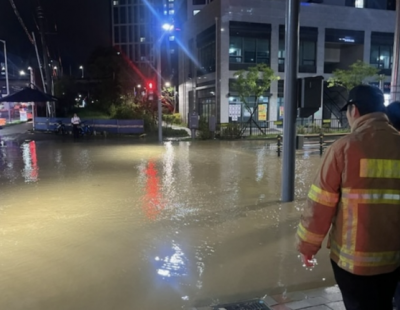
(171, 12)
(165, 12)
(195, 12)
(115, 2)
(142, 39)
(172, 38)
(359, 4)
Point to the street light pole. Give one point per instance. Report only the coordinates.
(159, 89)
(83, 71)
(290, 95)
(6, 66)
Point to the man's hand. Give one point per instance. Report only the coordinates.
(308, 260)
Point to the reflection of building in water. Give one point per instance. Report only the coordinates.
(31, 169)
(152, 204)
(174, 264)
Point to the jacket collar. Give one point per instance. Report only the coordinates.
(368, 119)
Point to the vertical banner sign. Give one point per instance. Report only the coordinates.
(262, 112)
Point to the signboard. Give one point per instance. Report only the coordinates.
(235, 111)
(23, 116)
(262, 112)
(278, 122)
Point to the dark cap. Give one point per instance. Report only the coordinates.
(367, 98)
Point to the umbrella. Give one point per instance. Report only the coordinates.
(29, 95)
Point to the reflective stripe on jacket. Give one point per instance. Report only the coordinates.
(356, 195)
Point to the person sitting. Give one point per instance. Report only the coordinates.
(75, 120)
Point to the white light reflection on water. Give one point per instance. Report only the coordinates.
(173, 265)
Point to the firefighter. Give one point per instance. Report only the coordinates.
(356, 195)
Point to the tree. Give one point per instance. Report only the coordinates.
(357, 73)
(253, 83)
(115, 77)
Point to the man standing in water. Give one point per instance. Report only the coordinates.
(356, 195)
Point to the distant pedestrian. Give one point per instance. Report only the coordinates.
(393, 112)
(356, 195)
(75, 121)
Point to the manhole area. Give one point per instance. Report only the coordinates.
(246, 305)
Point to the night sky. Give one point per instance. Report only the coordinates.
(82, 26)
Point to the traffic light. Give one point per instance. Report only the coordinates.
(150, 90)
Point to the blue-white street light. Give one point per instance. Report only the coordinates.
(166, 27)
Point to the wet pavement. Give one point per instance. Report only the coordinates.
(121, 224)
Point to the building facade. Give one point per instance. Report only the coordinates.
(226, 36)
(137, 27)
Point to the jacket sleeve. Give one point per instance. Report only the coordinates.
(321, 204)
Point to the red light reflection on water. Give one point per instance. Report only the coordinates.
(152, 204)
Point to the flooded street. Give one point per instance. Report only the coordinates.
(108, 224)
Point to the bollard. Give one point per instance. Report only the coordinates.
(321, 144)
(279, 145)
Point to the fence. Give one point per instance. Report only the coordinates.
(110, 126)
(271, 128)
(310, 143)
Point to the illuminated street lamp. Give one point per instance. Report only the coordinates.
(167, 84)
(22, 73)
(83, 71)
(166, 27)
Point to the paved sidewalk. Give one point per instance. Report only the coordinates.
(328, 298)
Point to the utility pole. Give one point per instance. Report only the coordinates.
(6, 67)
(159, 89)
(290, 95)
(395, 83)
(46, 63)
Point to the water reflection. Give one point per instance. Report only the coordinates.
(152, 202)
(173, 263)
(31, 169)
(119, 225)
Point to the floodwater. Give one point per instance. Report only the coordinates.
(120, 225)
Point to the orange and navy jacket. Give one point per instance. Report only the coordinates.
(356, 195)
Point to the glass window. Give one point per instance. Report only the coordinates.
(199, 2)
(262, 51)
(123, 34)
(123, 15)
(307, 56)
(130, 35)
(195, 12)
(116, 34)
(116, 16)
(359, 3)
(381, 56)
(249, 46)
(235, 49)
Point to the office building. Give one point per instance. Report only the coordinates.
(136, 27)
(227, 36)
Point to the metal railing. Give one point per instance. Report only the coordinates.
(275, 128)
